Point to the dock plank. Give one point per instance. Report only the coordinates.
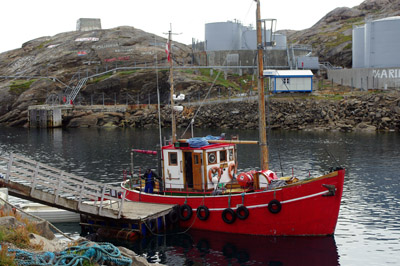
(72, 193)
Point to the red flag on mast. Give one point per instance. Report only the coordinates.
(167, 49)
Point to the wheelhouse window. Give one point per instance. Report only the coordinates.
(222, 156)
(230, 155)
(173, 158)
(212, 157)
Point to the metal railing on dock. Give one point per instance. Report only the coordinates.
(35, 181)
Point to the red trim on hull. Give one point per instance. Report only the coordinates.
(305, 211)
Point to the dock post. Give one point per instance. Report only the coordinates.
(164, 224)
(103, 191)
(81, 194)
(34, 178)
(57, 192)
(9, 167)
(33, 120)
(122, 204)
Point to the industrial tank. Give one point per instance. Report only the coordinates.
(223, 36)
(358, 47)
(281, 41)
(382, 38)
(249, 39)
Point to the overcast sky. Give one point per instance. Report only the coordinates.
(24, 20)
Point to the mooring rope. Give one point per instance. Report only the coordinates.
(73, 256)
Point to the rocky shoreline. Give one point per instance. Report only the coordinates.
(368, 112)
(43, 241)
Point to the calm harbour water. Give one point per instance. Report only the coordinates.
(368, 230)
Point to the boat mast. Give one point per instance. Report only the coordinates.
(261, 99)
(171, 81)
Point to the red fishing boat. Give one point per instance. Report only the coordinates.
(200, 175)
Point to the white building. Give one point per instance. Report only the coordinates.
(289, 80)
(88, 24)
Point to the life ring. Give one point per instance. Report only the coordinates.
(212, 171)
(242, 212)
(225, 216)
(232, 166)
(268, 175)
(185, 208)
(206, 211)
(173, 216)
(274, 206)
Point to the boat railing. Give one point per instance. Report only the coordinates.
(191, 189)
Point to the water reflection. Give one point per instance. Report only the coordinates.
(213, 248)
(368, 229)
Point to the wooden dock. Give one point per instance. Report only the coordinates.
(38, 182)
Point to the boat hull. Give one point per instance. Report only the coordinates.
(307, 208)
(53, 215)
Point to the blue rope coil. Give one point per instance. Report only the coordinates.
(73, 256)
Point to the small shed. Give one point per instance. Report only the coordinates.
(289, 80)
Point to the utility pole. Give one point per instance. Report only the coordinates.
(261, 97)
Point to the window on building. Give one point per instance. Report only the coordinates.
(286, 80)
(173, 158)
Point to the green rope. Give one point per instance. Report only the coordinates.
(73, 256)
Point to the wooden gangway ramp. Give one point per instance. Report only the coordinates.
(38, 182)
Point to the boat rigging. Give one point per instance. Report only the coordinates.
(200, 176)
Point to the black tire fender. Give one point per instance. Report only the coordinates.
(242, 212)
(173, 216)
(232, 213)
(185, 208)
(274, 206)
(206, 211)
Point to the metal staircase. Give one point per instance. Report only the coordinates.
(75, 90)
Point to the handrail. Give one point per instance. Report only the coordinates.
(85, 192)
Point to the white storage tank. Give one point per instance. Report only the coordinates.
(281, 41)
(358, 47)
(223, 36)
(382, 38)
(249, 40)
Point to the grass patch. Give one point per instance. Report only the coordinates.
(187, 71)
(348, 46)
(19, 235)
(205, 76)
(126, 73)
(334, 97)
(340, 38)
(19, 86)
(5, 257)
(43, 44)
(100, 78)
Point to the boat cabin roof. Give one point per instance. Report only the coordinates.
(187, 147)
